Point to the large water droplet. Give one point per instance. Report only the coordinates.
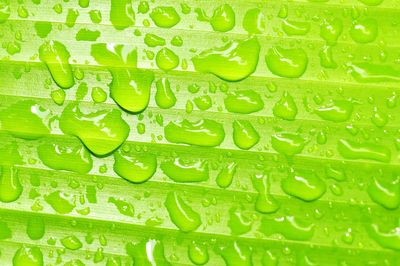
(204, 132)
(385, 192)
(147, 252)
(198, 253)
(181, 214)
(289, 63)
(287, 144)
(225, 175)
(28, 256)
(165, 97)
(353, 150)
(165, 16)
(234, 61)
(243, 102)
(291, 27)
(101, 132)
(10, 185)
(223, 18)
(122, 14)
(290, 227)
(25, 119)
(364, 31)
(56, 57)
(63, 156)
(306, 186)
(285, 108)
(181, 170)
(254, 21)
(389, 238)
(244, 134)
(336, 111)
(135, 167)
(265, 203)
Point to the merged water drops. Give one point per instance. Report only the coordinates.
(101, 132)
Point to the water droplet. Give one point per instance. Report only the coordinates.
(234, 61)
(35, 228)
(98, 95)
(165, 16)
(355, 151)
(239, 222)
(42, 28)
(101, 132)
(135, 167)
(287, 144)
(25, 119)
(95, 16)
(152, 40)
(147, 252)
(348, 237)
(269, 259)
(265, 203)
(10, 185)
(368, 72)
(28, 256)
(225, 176)
(71, 17)
(364, 31)
(165, 98)
(379, 118)
(181, 170)
(236, 253)
(385, 192)
(56, 57)
(331, 30)
(223, 18)
(306, 186)
(4, 11)
(205, 132)
(243, 102)
(290, 227)
(71, 242)
(124, 207)
(285, 108)
(5, 231)
(254, 21)
(291, 27)
(121, 14)
(64, 156)
(166, 59)
(198, 253)
(181, 214)
(61, 202)
(326, 57)
(84, 3)
(336, 111)
(386, 238)
(58, 96)
(130, 87)
(289, 63)
(244, 134)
